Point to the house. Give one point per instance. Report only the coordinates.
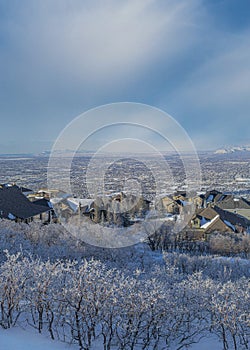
(212, 219)
(232, 202)
(47, 194)
(236, 221)
(168, 205)
(120, 208)
(26, 191)
(197, 201)
(211, 197)
(228, 202)
(14, 205)
(235, 205)
(209, 221)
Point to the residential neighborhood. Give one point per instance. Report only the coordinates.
(213, 210)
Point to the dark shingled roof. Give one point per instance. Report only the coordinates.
(213, 193)
(44, 202)
(233, 218)
(24, 189)
(210, 213)
(13, 201)
(230, 202)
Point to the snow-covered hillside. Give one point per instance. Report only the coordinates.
(19, 339)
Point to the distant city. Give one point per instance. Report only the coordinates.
(227, 171)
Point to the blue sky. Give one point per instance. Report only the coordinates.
(59, 58)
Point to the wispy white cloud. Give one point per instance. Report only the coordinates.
(224, 79)
(215, 95)
(57, 58)
(101, 43)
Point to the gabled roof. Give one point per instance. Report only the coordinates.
(44, 202)
(230, 202)
(212, 192)
(208, 213)
(233, 218)
(221, 219)
(180, 193)
(214, 221)
(218, 225)
(14, 202)
(24, 189)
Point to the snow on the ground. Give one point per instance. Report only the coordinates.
(19, 339)
(207, 344)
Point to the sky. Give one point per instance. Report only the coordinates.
(60, 58)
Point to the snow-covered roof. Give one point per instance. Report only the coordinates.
(229, 225)
(207, 224)
(74, 202)
(11, 216)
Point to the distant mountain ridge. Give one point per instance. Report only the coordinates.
(232, 149)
